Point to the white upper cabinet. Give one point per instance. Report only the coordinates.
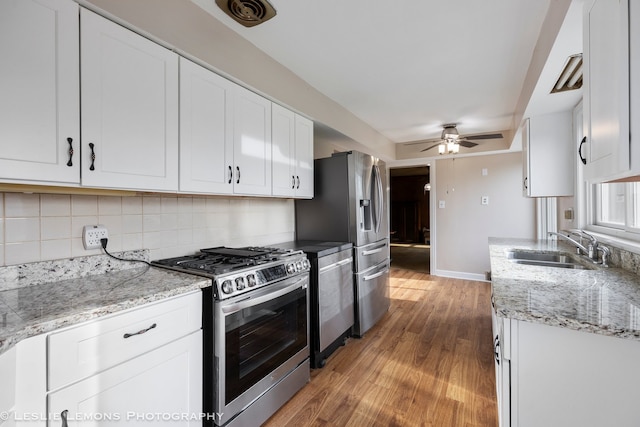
(609, 30)
(292, 154)
(39, 93)
(251, 143)
(283, 140)
(129, 92)
(225, 135)
(206, 130)
(304, 157)
(547, 148)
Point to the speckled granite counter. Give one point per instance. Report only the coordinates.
(40, 306)
(601, 300)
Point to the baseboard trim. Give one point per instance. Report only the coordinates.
(459, 275)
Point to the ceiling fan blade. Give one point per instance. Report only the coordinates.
(429, 148)
(485, 136)
(465, 143)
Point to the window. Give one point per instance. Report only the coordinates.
(617, 206)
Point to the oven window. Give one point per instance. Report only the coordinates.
(261, 338)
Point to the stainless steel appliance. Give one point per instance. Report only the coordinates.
(331, 296)
(256, 345)
(350, 204)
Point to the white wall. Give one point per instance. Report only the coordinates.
(464, 225)
(39, 227)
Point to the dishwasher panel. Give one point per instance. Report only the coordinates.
(335, 297)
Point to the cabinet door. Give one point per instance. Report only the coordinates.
(39, 87)
(283, 148)
(524, 133)
(606, 50)
(548, 155)
(129, 108)
(251, 143)
(573, 378)
(8, 375)
(162, 387)
(206, 134)
(304, 157)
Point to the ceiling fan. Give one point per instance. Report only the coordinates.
(450, 140)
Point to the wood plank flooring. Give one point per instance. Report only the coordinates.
(428, 362)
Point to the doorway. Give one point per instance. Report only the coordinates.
(410, 222)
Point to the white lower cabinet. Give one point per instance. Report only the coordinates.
(162, 387)
(7, 390)
(139, 367)
(559, 377)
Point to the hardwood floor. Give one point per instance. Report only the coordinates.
(410, 256)
(428, 362)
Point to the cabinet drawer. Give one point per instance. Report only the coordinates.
(84, 350)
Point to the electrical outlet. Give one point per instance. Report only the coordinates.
(91, 235)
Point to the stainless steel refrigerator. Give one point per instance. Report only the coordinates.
(350, 204)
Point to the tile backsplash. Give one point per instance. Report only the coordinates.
(41, 227)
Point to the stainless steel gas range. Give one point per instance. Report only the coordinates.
(256, 345)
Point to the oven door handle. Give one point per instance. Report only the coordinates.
(250, 302)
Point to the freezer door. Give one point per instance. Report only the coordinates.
(372, 297)
(369, 255)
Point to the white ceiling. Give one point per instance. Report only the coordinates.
(407, 68)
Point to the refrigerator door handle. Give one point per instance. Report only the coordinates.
(375, 275)
(379, 195)
(375, 250)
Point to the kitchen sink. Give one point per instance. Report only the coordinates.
(545, 259)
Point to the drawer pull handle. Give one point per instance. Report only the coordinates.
(63, 416)
(238, 169)
(230, 174)
(141, 331)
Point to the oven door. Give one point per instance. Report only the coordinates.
(259, 339)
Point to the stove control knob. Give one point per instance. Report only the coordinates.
(240, 283)
(227, 287)
(291, 268)
(251, 280)
(299, 266)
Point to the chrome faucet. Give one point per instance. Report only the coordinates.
(579, 246)
(591, 250)
(606, 252)
(593, 245)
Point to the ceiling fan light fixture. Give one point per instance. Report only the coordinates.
(450, 132)
(450, 146)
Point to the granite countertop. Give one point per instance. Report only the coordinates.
(34, 308)
(600, 300)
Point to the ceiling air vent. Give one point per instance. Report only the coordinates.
(571, 75)
(247, 12)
